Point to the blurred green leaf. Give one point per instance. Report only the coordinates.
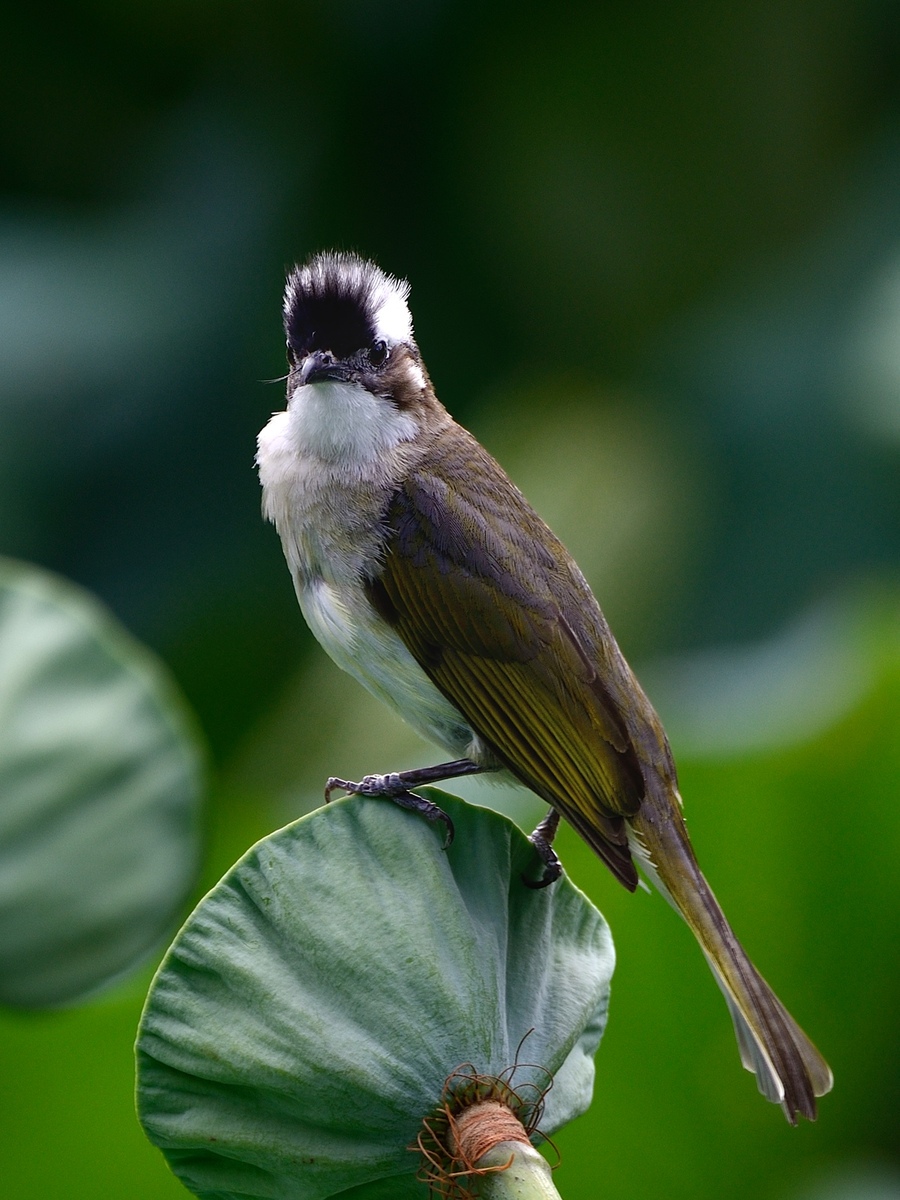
(783, 690)
(307, 1016)
(100, 782)
(856, 1181)
(68, 1125)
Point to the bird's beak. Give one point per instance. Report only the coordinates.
(321, 364)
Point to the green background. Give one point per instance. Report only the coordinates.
(655, 258)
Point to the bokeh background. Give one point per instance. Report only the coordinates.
(655, 257)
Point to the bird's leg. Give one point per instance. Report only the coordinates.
(542, 840)
(401, 781)
(396, 787)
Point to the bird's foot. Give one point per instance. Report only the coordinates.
(396, 786)
(542, 840)
(369, 785)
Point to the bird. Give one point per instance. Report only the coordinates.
(425, 573)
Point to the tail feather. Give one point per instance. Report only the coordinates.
(789, 1069)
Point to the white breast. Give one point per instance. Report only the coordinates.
(343, 423)
(327, 466)
(366, 647)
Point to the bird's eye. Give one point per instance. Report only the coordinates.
(378, 354)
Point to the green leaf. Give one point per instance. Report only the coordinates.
(309, 1012)
(100, 781)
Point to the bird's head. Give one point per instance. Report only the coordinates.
(347, 321)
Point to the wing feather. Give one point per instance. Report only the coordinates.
(487, 601)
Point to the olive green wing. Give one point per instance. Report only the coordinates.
(488, 603)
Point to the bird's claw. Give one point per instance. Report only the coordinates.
(553, 868)
(428, 810)
(542, 840)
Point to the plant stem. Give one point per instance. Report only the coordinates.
(527, 1177)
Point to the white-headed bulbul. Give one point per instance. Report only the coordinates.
(425, 573)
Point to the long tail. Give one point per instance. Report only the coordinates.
(789, 1069)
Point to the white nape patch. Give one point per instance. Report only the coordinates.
(415, 373)
(345, 424)
(392, 318)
